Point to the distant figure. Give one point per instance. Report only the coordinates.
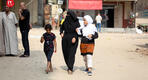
(88, 35)
(69, 39)
(98, 22)
(50, 46)
(24, 23)
(78, 13)
(10, 26)
(104, 20)
(83, 14)
(63, 17)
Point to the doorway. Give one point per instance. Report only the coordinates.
(107, 16)
(110, 22)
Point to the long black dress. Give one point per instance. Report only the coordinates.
(69, 29)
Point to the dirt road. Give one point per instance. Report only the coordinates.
(114, 59)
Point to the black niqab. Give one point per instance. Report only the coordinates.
(71, 22)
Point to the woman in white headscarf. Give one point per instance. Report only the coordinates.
(88, 35)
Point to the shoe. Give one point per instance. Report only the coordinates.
(24, 55)
(89, 73)
(8, 55)
(46, 71)
(86, 70)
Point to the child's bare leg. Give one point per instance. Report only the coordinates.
(48, 66)
(51, 69)
(85, 61)
(90, 69)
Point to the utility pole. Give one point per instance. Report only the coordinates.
(135, 11)
(67, 2)
(40, 12)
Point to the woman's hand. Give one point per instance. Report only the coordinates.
(77, 30)
(73, 40)
(55, 45)
(62, 35)
(90, 36)
(30, 26)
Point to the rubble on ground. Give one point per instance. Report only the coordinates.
(142, 51)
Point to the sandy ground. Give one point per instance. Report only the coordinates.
(114, 58)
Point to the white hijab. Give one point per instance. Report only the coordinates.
(89, 28)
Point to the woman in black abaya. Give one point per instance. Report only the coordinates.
(69, 39)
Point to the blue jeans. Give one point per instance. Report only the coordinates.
(49, 54)
(98, 25)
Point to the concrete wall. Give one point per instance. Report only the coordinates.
(118, 15)
(127, 9)
(142, 5)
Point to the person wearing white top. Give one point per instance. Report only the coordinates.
(10, 28)
(98, 22)
(88, 34)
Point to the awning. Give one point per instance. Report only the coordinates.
(119, 0)
(85, 4)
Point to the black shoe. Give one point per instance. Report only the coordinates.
(7, 54)
(86, 70)
(46, 71)
(24, 55)
(1, 55)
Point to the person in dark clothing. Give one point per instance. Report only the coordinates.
(69, 39)
(24, 23)
(50, 46)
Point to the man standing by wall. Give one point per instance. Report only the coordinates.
(98, 22)
(24, 23)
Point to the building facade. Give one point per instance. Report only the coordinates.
(142, 12)
(118, 12)
(115, 13)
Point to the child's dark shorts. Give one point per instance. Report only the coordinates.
(49, 54)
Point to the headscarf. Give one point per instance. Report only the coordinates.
(71, 22)
(88, 19)
(89, 28)
(71, 17)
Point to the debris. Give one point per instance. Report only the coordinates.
(142, 51)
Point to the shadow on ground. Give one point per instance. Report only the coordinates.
(143, 46)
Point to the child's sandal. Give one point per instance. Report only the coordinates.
(47, 71)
